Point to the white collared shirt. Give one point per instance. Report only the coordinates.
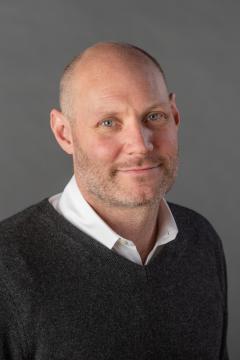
(72, 205)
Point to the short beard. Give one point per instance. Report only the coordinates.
(102, 188)
(164, 187)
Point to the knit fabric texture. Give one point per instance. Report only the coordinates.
(64, 295)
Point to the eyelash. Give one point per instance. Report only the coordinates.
(102, 122)
(162, 115)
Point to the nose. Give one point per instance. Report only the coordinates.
(138, 139)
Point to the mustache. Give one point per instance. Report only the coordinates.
(148, 161)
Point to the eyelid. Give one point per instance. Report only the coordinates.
(100, 123)
(115, 121)
(161, 113)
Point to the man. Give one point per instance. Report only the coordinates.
(108, 269)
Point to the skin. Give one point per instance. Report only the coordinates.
(124, 140)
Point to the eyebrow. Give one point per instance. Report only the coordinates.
(115, 113)
(157, 105)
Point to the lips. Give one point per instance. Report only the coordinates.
(140, 169)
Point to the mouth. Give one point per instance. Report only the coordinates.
(140, 170)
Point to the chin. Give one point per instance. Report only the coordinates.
(143, 199)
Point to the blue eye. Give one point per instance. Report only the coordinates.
(107, 123)
(156, 116)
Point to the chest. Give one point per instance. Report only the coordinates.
(109, 313)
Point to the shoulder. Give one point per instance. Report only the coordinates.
(20, 282)
(200, 233)
(189, 216)
(190, 220)
(202, 239)
(185, 212)
(24, 244)
(25, 218)
(18, 231)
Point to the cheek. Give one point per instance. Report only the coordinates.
(103, 150)
(167, 141)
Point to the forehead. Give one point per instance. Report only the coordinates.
(102, 84)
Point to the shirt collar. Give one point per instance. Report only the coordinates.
(72, 205)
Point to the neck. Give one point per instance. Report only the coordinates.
(140, 224)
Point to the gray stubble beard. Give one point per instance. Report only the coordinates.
(102, 191)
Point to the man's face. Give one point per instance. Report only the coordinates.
(124, 135)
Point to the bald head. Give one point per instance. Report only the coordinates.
(94, 61)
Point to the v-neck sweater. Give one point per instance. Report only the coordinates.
(64, 295)
(74, 207)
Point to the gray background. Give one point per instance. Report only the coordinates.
(197, 43)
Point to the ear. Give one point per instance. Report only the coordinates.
(61, 129)
(175, 111)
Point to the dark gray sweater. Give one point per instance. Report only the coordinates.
(64, 295)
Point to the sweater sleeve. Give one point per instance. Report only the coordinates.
(222, 273)
(216, 242)
(224, 350)
(11, 332)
